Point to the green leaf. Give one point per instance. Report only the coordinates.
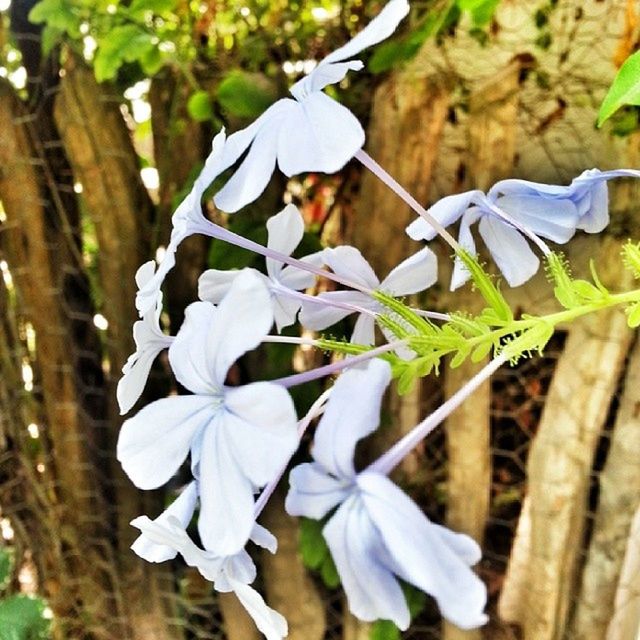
(587, 291)
(624, 90)
(246, 95)
(329, 573)
(313, 546)
(138, 8)
(633, 315)
(384, 630)
(481, 351)
(6, 566)
(125, 43)
(57, 14)
(51, 36)
(151, 61)
(199, 106)
(481, 10)
(22, 618)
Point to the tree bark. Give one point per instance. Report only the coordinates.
(561, 459)
(618, 502)
(289, 588)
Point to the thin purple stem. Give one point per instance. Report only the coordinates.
(397, 188)
(316, 409)
(305, 297)
(208, 228)
(505, 217)
(336, 367)
(387, 461)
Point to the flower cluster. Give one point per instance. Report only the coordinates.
(239, 439)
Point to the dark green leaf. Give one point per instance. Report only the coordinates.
(624, 90)
(313, 547)
(126, 43)
(199, 106)
(329, 573)
(6, 566)
(384, 630)
(22, 618)
(158, 7)
(246, 95)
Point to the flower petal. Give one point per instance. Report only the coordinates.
(252, 176)
(226, 494)
(352, 412)
(555, 219)
(327, 136)
(260, 418)
(596, 217)
(364, 330)
(213, 338)
(170, 533)
(446, 211)
(416, 273)
(356, 548)
(312, 492)
(509, 249)
(420, 553)
(298, 279)
(465, 240)
(285, 231)
(285, 310)
(155, 442)
(322, 76)
(182, 509)
(190, 362)
(348, 262)
(380, 28)
(214, 284)
(264, 538)
(269, 622)
(320, 313)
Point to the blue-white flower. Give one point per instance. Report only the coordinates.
(150, 341)
(163, 538)
(416, 273)
(187, 220)
(239, 438)
(549, 211)
(309, 133)
(377, 534)
(285, 231)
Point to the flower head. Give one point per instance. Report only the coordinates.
(226, 430)
(285, 231)
(166, 535)
(377, 534)
(327, 134)
(150, 341)
(414, 274)
(549, 211)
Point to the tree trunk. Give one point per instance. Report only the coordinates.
(42, 252)
(561, 458)
(289, 588)
(618, 502)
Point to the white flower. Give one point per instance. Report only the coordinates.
(549, 211)
(285, 231)
(239, 438)
(187, 220)
(312, 132)
(377, 534)
(414, 274)
(228, 573)
(150, 341)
